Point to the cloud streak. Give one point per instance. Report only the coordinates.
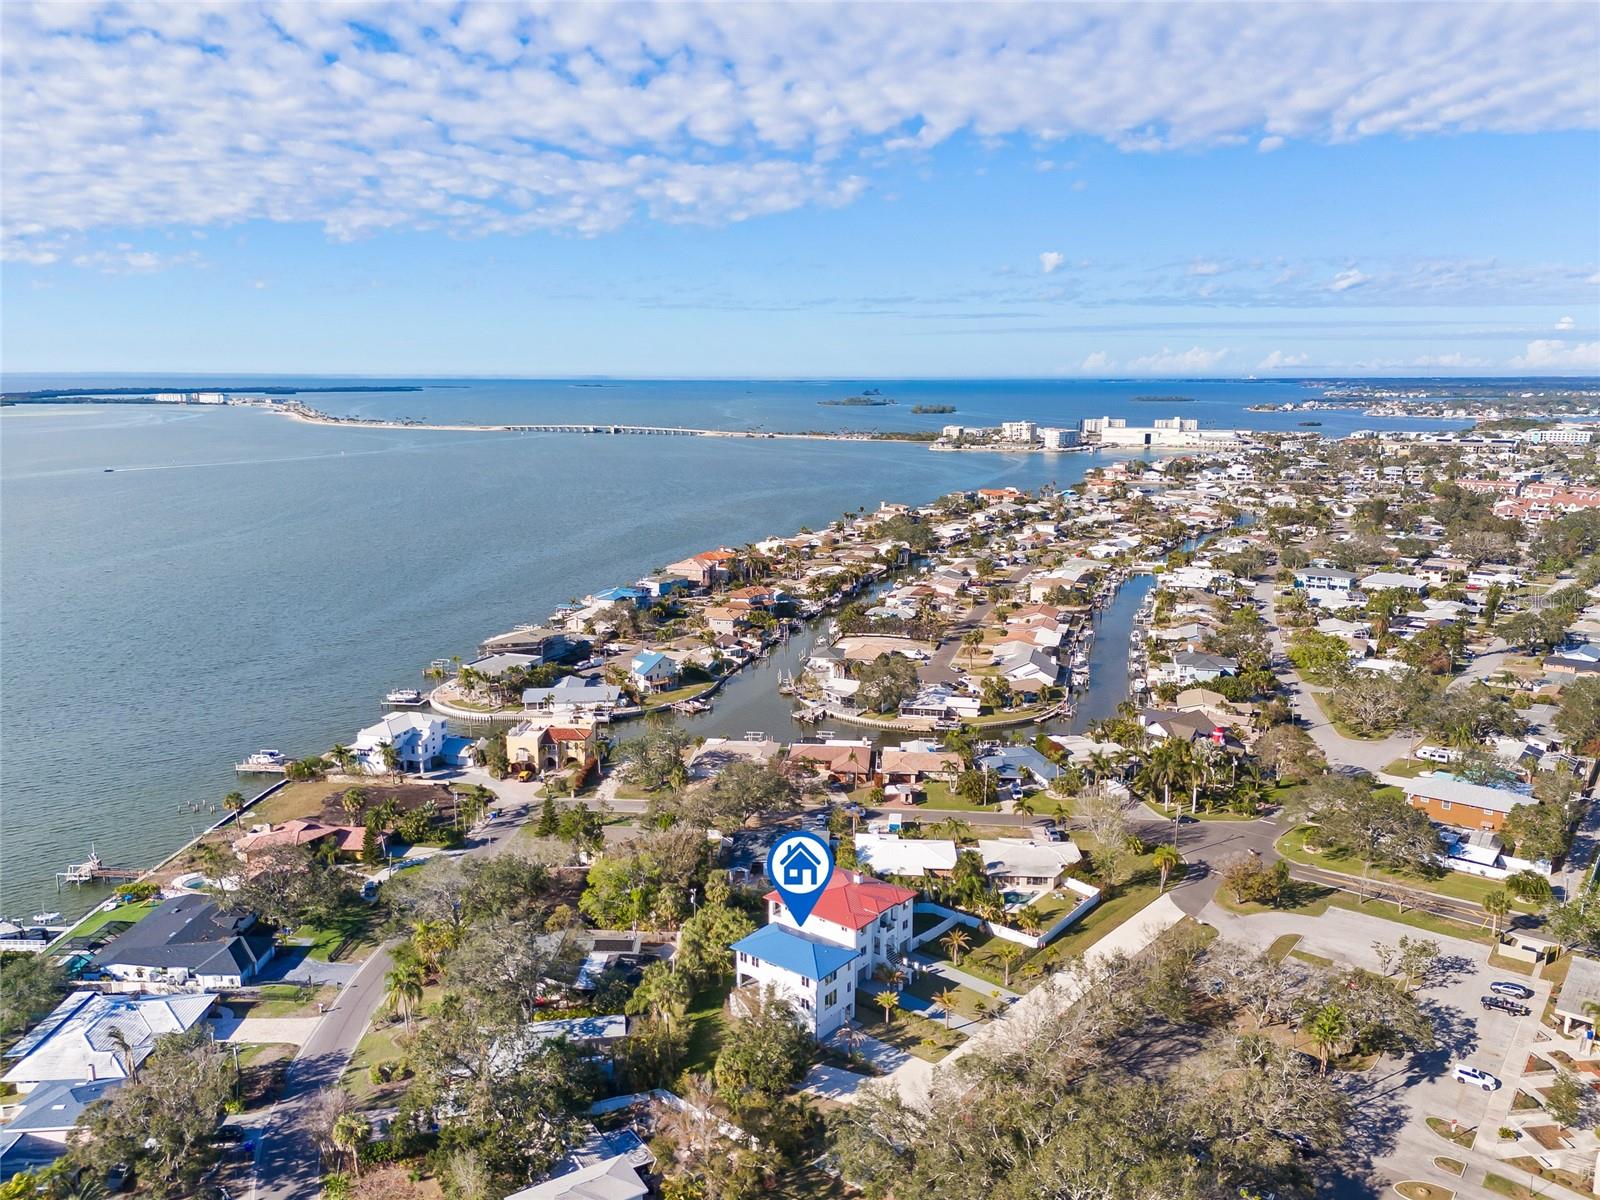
(491, 118)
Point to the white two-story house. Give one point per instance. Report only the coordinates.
(858, 925)
(418, 741)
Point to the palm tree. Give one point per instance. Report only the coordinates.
(233, 802)
(118, 1037)
(1327, 1029)
(404, 982)
(1530, 886)
(889, 1001)
(1008, 953)
(353, 801)
(1497, 905)
(971, 641)
(342, 755)
(1028, 920)
(391, 758)
(1166, 859)
(350, 1133)
(946, 1000)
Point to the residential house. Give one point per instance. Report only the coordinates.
(1193, 666)
(653, 671)
(347, 840)
(37, 1134)
(189, 942)
(1025, 865)
(1191, 726)
(607, 1166)
(1017, 764)
(815, 976)
(1383, 581)
(76, 1041)
(887, 854)
(1027, 669)
(549, 747)
(916, 763)
(708, 569)
(574, 697)
(940, 702)
(418, 741)
(1459, 803)
(1329, 582)
(541, 643)
(846, 762)
(727, 621)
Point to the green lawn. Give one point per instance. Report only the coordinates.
(286, 1000)
(917, 1036)
(349, 935)
(380, 1045)
(1281, 946)
(687, 692)
(928, 985)
(136, 911)
(706, 1021)
(1456, 884)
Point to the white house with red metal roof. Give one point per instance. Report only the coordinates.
(859, 913)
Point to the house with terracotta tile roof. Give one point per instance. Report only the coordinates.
(848, 762)
(346, 839)
(549, 747)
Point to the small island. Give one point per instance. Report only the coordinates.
(1163, 400)
(933, 408)
(871, 398)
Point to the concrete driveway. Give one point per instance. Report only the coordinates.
(291, 964)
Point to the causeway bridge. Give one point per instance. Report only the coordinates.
(650, 430)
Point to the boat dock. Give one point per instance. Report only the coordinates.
(94, 870)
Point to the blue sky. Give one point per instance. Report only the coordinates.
(728, 191)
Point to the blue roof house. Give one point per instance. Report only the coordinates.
(813, 976)
(654, 671)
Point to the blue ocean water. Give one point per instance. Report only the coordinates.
(240, 580)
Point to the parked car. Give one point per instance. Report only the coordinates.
(1505, 1006)
(1504, 987)
(1477, 1078)
(119, 1178)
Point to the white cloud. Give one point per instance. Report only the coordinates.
(484, 118)
(123, 259)
(1345, 280)
(1195, 360)
(1098, 360)
(1448, 361)
(1203, 266)
(1268, 144)
(1050, 260)
(1278, 361)
(1549, 354)
(1565, 323)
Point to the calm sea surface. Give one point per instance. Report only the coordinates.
(240, 580)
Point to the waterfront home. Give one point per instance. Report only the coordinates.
(76, 1041)
(1192, 666)
(1025, 865)
(727, 621)
(347, 840)
(941, 702)
(887, 854)
(843, 761)
(493, 666)
(544, 746)
(574, 696)
(1027, 669)
(38, 1132)
(763, 598)
(708, 569)
(662, 587)
(418, 741)
(1191, 726)
(543, 643)
(653, 671)
(714, 755)
(636, 596)
(189, 943)
(1458, 803)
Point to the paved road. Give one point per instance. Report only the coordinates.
(287, 1165)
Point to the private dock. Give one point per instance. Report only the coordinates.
(94, 870)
